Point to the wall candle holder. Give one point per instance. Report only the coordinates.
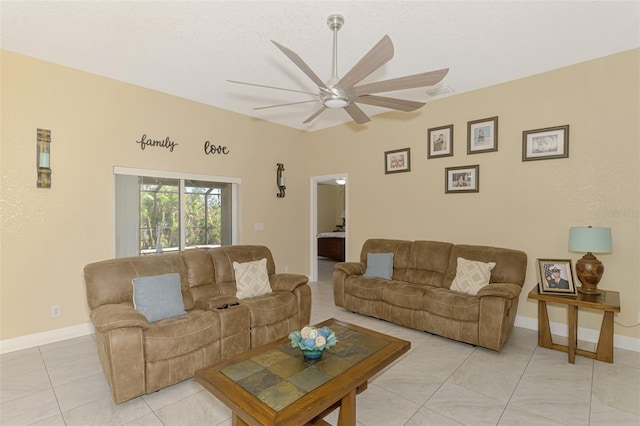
(43, 158)
(280, 180)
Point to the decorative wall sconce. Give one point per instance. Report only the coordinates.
(43, 159)
(280, 180)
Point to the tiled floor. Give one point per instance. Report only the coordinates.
(439, 382)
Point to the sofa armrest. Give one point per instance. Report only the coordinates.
(110, 317)
(505, 290)
(288, 282)
(351, 268)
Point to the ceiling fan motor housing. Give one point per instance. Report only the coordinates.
(335, 96)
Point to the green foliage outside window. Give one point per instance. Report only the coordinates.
(160, 214)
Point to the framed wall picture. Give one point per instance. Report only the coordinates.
(482, 135)
(397, 161)
(462, 179)
(440, 142)
(556, 276)
(545, 144)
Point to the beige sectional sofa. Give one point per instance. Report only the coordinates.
(139, 357)
(418, 294)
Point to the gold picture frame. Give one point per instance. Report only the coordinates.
(556, 277)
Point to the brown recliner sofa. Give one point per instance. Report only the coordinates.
(139, 357)
(418, 295)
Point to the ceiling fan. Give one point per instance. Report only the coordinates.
(343, 92)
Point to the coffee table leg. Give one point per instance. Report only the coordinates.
(347, 415)
(237, 421)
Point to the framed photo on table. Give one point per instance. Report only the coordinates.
(397, 161)
(545, 144)
(482, 135)
(462, 179)
(556, 277)
(440, 142)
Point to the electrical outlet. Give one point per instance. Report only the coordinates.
(286, 269)
(55, 311)
(638, 316)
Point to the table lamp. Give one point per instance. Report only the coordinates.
(588, 268)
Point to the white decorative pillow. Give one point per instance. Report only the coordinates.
(252, 279)
(471, 276)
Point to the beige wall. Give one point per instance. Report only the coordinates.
(47, 236)
(523, 205)
(330, 205)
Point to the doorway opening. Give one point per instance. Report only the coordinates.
(329, 224)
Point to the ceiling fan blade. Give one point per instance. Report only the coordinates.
(379, 55)
(271, 87)
(314, 115)
(392, 103)
(357, 114)
(408, 82)
(301, 64)
(281, 105)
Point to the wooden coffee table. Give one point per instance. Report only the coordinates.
(275, 385)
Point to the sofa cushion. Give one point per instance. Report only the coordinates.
(158, 297)
(399, 248)
(176, 336)
(449, 304)
(109, 281)
(271, 308)
(471, 276)
(252, 279)
(511, 265)
(428, 262)
(405, 295)
(223, 258)
(366, 288)
(379, 265)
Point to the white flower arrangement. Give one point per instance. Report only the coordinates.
(313, 339)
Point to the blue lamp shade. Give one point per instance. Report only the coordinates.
(590, 240)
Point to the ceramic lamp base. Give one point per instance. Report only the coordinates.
(589, 270)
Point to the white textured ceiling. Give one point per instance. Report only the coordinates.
(189, 49)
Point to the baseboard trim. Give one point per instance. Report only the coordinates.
(45, 337)
(585, 334)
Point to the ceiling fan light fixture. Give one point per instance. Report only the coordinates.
(336, 103)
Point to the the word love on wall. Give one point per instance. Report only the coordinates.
(212, 149)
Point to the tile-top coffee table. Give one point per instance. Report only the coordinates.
(275, 385)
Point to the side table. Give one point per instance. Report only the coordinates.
(608, 301)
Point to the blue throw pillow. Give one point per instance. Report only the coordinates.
(158, 297)
(379, 265)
